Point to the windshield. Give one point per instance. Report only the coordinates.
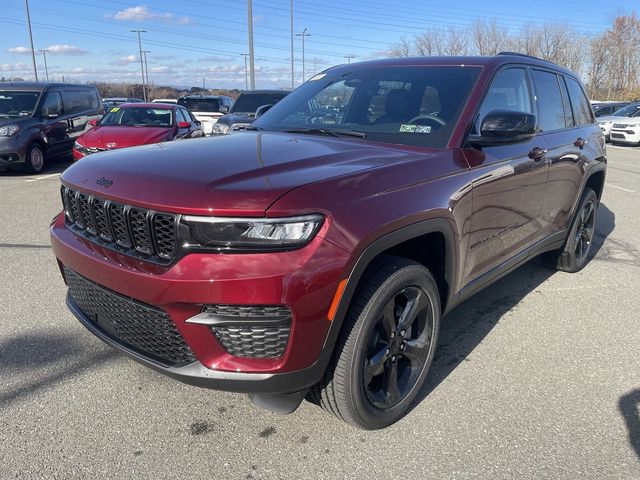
(17, 104)
(200, 104)
(137, 117)
(628, 111)
(404, 105)
(249, 102)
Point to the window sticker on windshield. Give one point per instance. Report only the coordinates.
(423, 129)
(115, 109)
(406, 128)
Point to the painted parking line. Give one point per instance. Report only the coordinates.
(43, 177)
(620, 147)
(620, 188)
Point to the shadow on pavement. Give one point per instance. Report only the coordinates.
(628, 406)
(462, 330)
(57, 164)
(43, 359)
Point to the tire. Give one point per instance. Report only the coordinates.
(575, 253)
(374, 346)
(34, 160)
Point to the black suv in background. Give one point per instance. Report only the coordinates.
(42, 119)
(243, 111)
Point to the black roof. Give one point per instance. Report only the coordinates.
(284, 92)
(41, 85)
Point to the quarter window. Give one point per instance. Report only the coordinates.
(548, 101)
(52, 104)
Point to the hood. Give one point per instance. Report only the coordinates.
(229, 175)
(123, 136)
(612, 118)
(231, 118)
(631, 121)
(20, 121)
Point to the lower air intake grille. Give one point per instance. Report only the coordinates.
(137, 326)
(253, 341)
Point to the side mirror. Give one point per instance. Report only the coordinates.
(184, 125)
(93, 122)
(504, 126)
(263, 109)
(224, 109)
(51, 112)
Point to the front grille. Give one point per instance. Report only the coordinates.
(620, 125)
(253, 341)
(249, 311)
(142, 328)
(132, 230)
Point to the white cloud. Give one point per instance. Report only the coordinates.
(126, 60)
(66, 50)
(141, 13)
(20, 50)
(163, 69)
(216, 59)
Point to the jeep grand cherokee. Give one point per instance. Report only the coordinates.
(315, 255)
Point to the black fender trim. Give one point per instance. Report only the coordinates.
(436, 225)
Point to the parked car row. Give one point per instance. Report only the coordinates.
(623, 125)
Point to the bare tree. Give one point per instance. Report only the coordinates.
(489, 38)
(402, 48)
(441, 41)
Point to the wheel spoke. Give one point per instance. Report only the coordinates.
(375, 366)
(416, 350)
(588, 208)
(389, 318)
(393, 392)
(587, 233)
(416, 302)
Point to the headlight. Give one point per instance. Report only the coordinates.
(8, 130)
(77, 146)
(251, 234)
(605, 123)
(220, 128)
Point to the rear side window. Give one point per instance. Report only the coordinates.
(78, 101)
(509, 91)
(581, 108)
(548, 101)
(52, 104)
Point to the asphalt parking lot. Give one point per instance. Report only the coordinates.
(536, 377)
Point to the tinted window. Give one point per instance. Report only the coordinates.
(632, 110)
(52, 104)
(249, 102)
(182, 116)
(548, 101)
(79, 101)
(509, 91)
(581, 108)
(200, 104)
(383, 103)
(17, 104)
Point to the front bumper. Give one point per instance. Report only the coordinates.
(304, 280)
(13, 151)
(630, 135)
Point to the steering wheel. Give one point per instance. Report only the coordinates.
(430, 118)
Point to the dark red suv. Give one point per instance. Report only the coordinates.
(314, 255)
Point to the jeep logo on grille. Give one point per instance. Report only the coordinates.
(105, 182)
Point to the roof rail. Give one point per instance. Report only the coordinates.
(516, 54)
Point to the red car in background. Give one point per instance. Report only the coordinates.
(133, 124)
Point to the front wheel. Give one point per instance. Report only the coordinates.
(575, 253)
(34, 162)
(385, 348)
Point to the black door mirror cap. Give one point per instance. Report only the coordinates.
(505, 126)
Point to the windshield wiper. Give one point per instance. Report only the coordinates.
(328, 131)
(251, 127)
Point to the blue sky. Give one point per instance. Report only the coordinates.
(191, 39)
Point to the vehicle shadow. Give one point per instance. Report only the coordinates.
(34, 362)
(462, 330)
(56, 164)
(628, 406)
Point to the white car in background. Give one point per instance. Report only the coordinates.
(165, 100)
(206, 108)
(626, 131)
(619, 117)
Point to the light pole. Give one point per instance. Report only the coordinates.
(246, 72)
(144, 87)
(146, 69)
(46, 68)
(251, 56)
(33, 52)
(292, 33)
(303, 34)
(349, 57)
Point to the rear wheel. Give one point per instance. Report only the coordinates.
(575, 253)
(385, 348)
(34, 161)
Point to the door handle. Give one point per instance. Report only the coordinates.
(580, 142)
(537, 153)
